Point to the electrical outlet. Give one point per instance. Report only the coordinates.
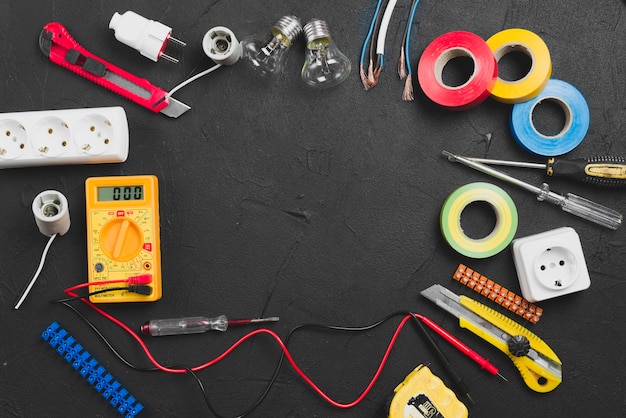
(94, 134)
(56, 137)
(13, 139)
(550, 264)
(51, 137)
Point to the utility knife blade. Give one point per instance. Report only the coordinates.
(62, 49)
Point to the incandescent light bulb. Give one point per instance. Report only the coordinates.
(266, 53)
(324, 66)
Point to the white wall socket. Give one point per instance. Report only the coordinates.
(550, 264)
(56, 137)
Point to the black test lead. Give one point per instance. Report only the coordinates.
(196, 325)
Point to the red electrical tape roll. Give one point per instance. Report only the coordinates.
(447, 47)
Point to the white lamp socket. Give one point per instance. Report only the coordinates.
(52, 213)
(221, 45)
(550, 264)
(71, 136)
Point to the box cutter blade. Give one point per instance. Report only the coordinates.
(62, 49)
(538, 364)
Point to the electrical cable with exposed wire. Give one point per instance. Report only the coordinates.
(404, 64)
(367, 48)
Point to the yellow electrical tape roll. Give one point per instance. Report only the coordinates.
(494, 242)
(529, 86)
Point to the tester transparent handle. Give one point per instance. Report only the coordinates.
(592, 211)
(178, 326)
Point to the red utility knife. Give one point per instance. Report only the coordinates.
(62, 49)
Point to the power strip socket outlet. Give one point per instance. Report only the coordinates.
(57, 137)
(550, 264)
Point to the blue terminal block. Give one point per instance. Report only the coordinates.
(87, 366)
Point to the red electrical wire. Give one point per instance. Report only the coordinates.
(82, 285)
(275, 336)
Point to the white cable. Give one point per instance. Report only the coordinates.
(194, 78)
(384, 25)
(34, 279)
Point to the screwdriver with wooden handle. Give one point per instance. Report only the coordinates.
(602, 170)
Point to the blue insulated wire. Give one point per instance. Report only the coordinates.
(408, 37)
(371, 30)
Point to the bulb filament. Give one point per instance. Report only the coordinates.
(272, 46)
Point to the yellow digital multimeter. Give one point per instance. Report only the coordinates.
(123, 235)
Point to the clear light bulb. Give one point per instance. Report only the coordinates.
(266, 52)
(325, 65)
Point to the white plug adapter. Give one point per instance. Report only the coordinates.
(148, 37)
(550, 264)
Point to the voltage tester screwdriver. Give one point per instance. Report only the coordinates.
(195, 325)
(603, 170)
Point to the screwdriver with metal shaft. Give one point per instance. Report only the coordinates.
(602, 170)
(571, 203)
(195, 325)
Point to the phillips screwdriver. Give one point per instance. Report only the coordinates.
(602, 170)
(195, 325)
(571, 203)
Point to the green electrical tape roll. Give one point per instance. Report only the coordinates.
(496, 240)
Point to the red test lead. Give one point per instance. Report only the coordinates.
(462, 347)
(195, 325)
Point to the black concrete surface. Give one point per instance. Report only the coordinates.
(315, 206)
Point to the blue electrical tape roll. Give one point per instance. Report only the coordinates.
(576, 120)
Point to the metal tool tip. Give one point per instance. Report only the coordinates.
(270, 319)
(451, 157)
(503, 378)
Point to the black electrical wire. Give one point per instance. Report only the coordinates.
(95, 292)
(139, 289)
(270, 383)
(279, 364)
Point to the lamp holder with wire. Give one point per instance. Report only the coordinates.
(52, 217)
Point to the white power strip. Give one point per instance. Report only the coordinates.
(57, 137)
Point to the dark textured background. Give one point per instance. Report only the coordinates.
(316, 206)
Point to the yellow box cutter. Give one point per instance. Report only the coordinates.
(538, 364)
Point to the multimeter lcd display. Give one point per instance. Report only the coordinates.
(120, 193)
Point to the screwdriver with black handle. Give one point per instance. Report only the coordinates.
(602, 170)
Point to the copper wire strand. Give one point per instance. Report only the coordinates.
(402, 64)
(407, 93)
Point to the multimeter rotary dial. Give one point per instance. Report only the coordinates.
(121, 239)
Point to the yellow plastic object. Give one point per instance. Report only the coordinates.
(422, 394)
(538, 378)
(123, 237)
(530, 44)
